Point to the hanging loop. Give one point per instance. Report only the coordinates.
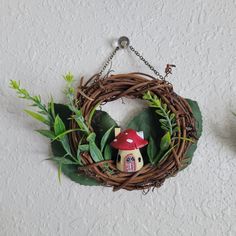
(123, 42)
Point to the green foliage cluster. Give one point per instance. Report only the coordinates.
(167, 123)
(58, 130)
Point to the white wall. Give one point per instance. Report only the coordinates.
(42, 40)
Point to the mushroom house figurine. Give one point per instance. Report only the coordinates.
(128, 142)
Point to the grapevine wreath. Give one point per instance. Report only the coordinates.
(89, 147)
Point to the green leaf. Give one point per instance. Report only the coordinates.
(37, 116)
(165, 142)
(64, 133)
(92, 113)
(64, 113)
(46, 133)
(105, 138)
(91, 137)
(95, 152)
(198, 123)
(59, 171)
(71, 171)
(164, 107)
(151, 149)
(159, 112)
(164, 156)
(62, 160)
(80, 121)
(84, 147)
(102, 122)
(59, 126)
(148, 122)
(197, 115)
(52, 108)
(172, 116)
(107, 152)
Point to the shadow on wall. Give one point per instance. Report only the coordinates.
(226, 132)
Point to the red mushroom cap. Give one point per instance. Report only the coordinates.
(128, 140)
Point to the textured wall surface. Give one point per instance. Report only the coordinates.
(42, 40)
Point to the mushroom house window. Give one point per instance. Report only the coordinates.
(139, 159)
(118, 158)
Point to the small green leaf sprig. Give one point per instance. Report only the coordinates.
(97, 154)
(57, 130)
(168, 124)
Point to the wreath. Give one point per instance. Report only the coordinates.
(86, 147)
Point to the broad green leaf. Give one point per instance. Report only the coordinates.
(37, 116)
(147, 122)
(95, 152)
(102, 122)
(151, 149)
(107, 152)
(46, 133)
(192, 148)
(64, 113)
(72, 172)
(105, 138)
(198, 117)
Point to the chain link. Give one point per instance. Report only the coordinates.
(138, 55)
(146, 62)
(108, 61)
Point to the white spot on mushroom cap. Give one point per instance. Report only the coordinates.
(126, 133)
(129, 140)
(115, 140)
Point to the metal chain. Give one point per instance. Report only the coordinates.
(124, 44)
(146, 62)
(108, 61)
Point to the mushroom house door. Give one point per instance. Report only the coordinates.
(130, 165)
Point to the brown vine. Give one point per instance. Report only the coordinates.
(134, 85)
